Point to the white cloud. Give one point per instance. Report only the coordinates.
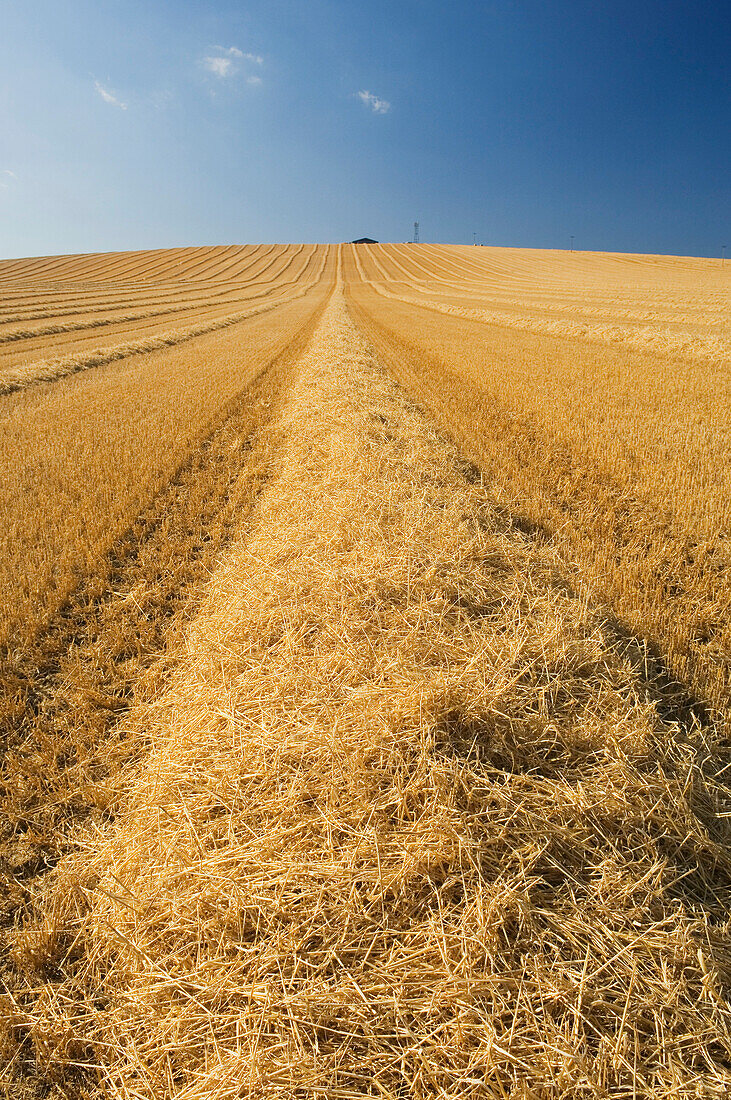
(377, 105)
(5, 177)
(108, 97)
(219, 66)
(225, 61)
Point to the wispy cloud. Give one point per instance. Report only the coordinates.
(219, 66)
(109, 97)
(6, 176)
(377, 105)
(226, 61)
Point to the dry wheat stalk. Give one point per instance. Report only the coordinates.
(410, 824)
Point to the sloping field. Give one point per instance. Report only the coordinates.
(669, 304)
(613, 436)
(359, 738)
(80, 457)
(64, 315)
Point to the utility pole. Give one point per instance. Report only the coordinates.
(723, 254)
(572, 242)
(474, 238)
(416, 232)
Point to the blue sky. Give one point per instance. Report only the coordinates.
(148, 123)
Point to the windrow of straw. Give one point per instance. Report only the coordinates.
(81, 457)
(206, 302)
(625, 458)
(46, 370)
(62, 692)
(657, 338)
(410, 824)
(663, 341)
(677, 307)
(86, 322)
(112, 644)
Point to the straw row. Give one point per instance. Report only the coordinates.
(410, 824)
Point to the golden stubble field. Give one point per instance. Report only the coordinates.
(365, 674)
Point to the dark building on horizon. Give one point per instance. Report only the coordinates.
(364, 240)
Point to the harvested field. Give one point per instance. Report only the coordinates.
(69, 346)
(96, 446)
(355, 743)
(615, 443)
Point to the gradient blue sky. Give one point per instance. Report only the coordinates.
(153, 123)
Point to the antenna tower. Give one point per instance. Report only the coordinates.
(416, 232)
